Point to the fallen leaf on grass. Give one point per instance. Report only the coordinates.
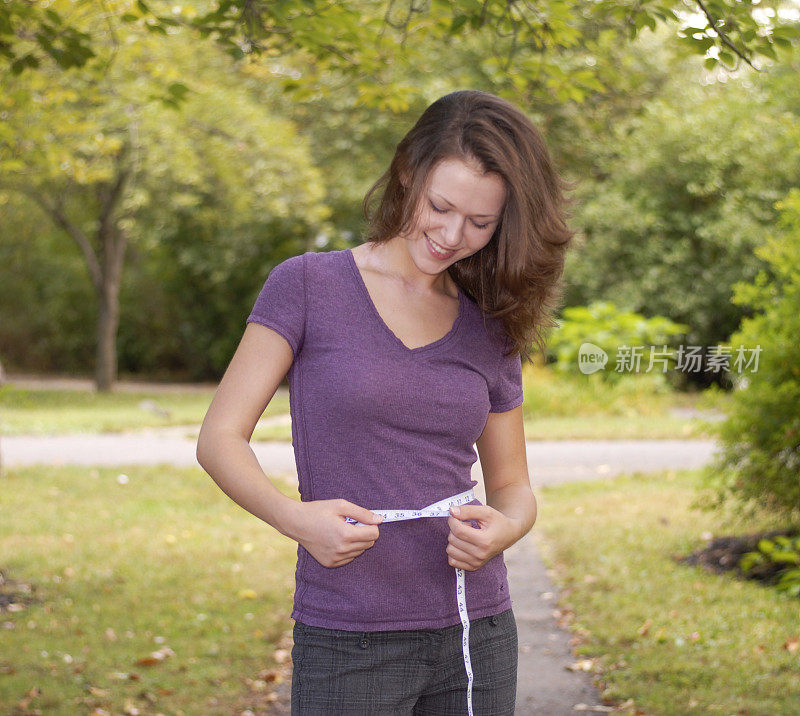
(281, 656)
(645, 628)
(270, 676)
(792, 644)
(156, 657)
(247, 594)
(25, 702)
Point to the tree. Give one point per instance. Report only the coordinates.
(99, 153)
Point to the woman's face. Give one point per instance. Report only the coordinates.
(457, 214)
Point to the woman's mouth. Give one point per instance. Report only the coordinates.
(437, 251)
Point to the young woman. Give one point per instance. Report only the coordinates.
(402, 354)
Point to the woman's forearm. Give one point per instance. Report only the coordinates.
(230, 461)
(319, 526)
(516, 502)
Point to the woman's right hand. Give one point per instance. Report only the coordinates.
(319, 526)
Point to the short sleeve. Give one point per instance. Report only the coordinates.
(281, 305)
(505, 392)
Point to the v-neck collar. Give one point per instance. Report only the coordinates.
(351, 260)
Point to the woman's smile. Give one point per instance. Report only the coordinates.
(437, 250)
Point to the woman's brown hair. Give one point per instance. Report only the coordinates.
(516, 276)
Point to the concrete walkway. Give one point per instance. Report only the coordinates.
(547, 687)
(549, 462)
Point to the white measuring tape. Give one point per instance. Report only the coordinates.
(442, 509)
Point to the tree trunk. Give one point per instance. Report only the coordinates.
(105, 371)
(112, 239)
(104, 258)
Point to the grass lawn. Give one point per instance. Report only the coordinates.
(670, 638)
(556, 407)
(152, 591)
(32, 412)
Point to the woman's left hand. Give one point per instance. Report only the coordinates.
(470, 548)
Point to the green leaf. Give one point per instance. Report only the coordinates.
(178, 90)
(55, 18)
(766, 546)
(457, 23)
(767, 50)
(787, 31)
(785, 557)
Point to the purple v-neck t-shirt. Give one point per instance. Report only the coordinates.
(385, 426)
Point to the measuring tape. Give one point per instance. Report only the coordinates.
(442, 509)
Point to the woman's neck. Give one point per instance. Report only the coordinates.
(392, 258)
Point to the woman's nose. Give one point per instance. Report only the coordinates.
(452, 228)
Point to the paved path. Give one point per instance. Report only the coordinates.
(549, 462)
(546, 686)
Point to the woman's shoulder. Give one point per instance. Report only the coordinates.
(311, 261)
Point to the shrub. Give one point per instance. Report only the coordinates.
(613, 330)
(777, 558)
(759, 463)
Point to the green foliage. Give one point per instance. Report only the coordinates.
(672, 213)
(368, 42)
(613, 330)
(69, 35)
(46, 312)
(780, 556)
(760, 459)
(185, 301)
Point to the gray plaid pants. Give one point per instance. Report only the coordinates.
(410, 672)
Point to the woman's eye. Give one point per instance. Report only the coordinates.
(480, 226)
(437, 209)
